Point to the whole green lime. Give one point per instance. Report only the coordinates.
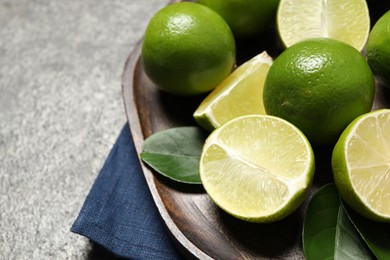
(245, 18)
(378, 49)
(319, 85)
(188, 49)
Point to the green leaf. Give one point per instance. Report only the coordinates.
(328, 233)
(320, 224)
(349, 244)
(175, 153)
(375, 234)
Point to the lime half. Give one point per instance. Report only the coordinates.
(344, 20)
(361, 165)
(257, 168)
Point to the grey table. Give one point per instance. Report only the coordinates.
(60, 113)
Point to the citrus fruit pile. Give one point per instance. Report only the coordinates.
(266, 114)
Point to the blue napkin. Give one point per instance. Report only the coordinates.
(119, 212)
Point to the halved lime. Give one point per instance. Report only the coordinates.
(241, 93)
(361, 165)
(257, 168)
(344, 20)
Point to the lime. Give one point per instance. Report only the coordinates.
(241, 93)
(188, 49)
(320, 85)
(361, 165)
(245, 18)
(378, 49)
(344, 20)
(257, 168)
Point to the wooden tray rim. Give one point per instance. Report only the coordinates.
(132, 114)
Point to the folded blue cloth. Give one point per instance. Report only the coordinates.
(119, 212)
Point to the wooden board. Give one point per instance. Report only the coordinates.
(198, 227)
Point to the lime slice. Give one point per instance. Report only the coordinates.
(241, 93)
(344, 20)
(257, 168)
(361, 165)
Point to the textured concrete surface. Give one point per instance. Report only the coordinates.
(60, 113)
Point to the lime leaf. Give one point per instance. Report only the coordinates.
(375, 234)
(175, 153)
(320, 223)
(328, 233)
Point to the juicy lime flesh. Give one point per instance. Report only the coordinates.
(248, 100)
(250, 180)
(344, 20)
(188, 49)
(368, 159)
(241, 93)
(255, 166)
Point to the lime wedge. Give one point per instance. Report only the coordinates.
(361, 165)
(241, 93)
(343, 20)
(257, 168)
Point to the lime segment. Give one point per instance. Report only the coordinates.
(241, 93)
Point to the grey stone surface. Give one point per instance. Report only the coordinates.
(60, 113)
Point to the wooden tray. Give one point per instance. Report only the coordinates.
(198, 227)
